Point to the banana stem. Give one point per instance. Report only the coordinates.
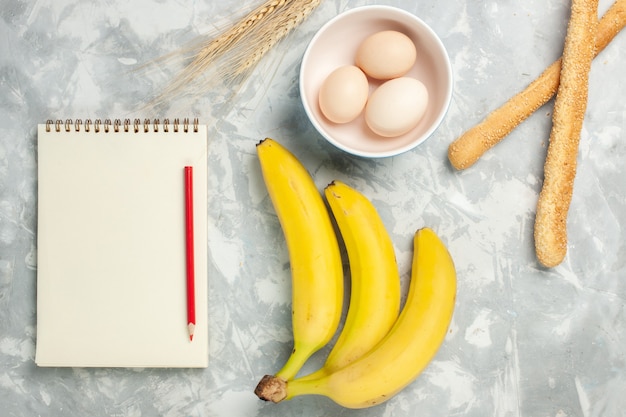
(296, 361)
(271, 388)
(305, 386)
(275, 389)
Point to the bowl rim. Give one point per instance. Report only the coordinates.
(449, 84)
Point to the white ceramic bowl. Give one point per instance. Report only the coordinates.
(335, 44)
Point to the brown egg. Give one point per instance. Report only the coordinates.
(396, 107)
(385, 55)
(343, 94)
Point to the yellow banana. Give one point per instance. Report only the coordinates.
(375, 290)
(315, 260)
(404, 352)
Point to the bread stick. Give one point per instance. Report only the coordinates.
(470, 146)
(567, 121)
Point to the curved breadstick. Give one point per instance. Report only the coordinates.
(466, 150)
(567, 121)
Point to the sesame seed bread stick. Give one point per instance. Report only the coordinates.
(567, 121)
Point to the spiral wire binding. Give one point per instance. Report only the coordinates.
(118, 125)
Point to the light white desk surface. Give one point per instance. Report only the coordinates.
(524, 341)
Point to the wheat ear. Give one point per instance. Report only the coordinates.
(237, 50)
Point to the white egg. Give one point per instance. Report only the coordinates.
(343, 94)
(386, 54)
(396, 106)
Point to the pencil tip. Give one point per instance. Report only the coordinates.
(191, 327)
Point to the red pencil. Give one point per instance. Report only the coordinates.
(191, 292)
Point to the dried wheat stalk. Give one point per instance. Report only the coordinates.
(235, 52)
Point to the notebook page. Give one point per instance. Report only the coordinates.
(111, 249)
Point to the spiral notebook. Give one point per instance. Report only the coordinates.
(111, 279)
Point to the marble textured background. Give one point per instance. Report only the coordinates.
(524, 341)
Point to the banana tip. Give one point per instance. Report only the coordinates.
(271, 388)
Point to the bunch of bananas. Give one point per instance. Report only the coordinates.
(380, 349)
